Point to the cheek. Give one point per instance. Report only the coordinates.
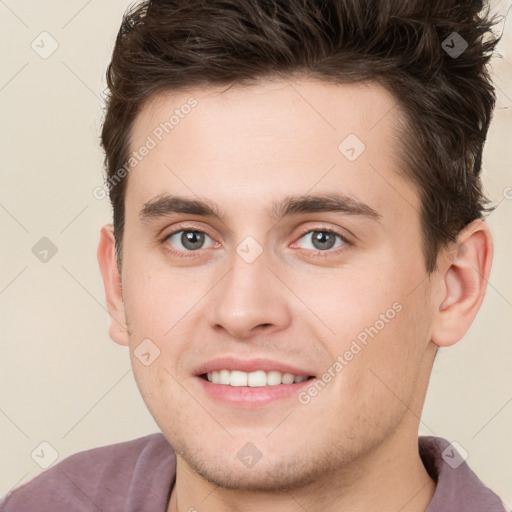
(349, 300)
(159, 309)
(384, 372)
(156, 301)
(379, 321)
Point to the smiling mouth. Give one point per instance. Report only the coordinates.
(256, 379)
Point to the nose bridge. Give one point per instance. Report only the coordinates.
(250, 295)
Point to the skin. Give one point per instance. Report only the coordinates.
(243, 149)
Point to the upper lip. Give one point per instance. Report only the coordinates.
(250, 365)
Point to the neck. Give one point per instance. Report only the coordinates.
(391, 478)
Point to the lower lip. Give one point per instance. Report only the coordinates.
(248, 397)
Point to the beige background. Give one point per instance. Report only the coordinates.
(63, 381)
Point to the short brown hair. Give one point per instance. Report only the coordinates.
(447, 99)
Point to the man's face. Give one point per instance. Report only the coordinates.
(341, 293)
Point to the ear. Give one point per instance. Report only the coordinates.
(464, 274)
(112, 282)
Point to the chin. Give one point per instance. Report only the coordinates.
(278, 473)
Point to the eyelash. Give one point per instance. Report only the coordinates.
(314, 253)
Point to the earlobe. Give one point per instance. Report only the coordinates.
(464, 282)
(112, 283)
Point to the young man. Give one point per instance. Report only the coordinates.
(297, 229)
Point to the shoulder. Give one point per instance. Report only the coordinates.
(458, 488)
(103, 478)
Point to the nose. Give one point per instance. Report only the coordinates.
(249, 300)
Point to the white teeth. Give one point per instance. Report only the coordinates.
(273, 378)
(287, 378)
(224, 376)
(236, 378)
(255, 379)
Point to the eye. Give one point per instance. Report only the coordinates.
(320, 242)
(190, 240)
(323, 240)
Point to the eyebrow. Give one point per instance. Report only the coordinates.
(166, 204)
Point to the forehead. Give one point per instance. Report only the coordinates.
(271, 109)
(248, 143)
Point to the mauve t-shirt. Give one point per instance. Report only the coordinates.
(138, 475)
